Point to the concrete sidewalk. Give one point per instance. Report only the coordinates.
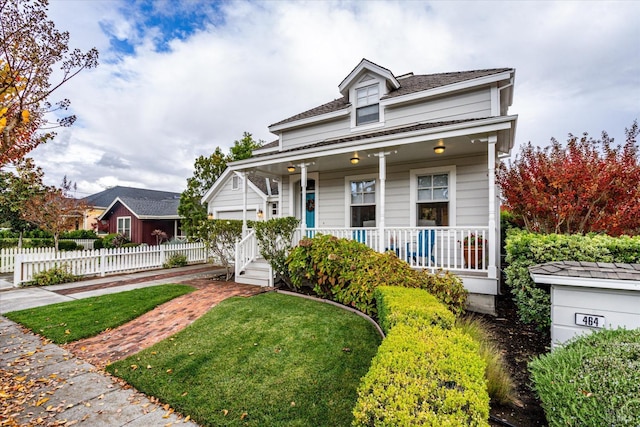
(61, 389)
(12, 299)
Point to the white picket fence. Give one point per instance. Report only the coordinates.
(103, 261)
(8, 255)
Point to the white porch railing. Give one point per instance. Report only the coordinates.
(449, 248)
(246, 252)
(104, 261)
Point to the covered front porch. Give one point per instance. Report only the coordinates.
(461, 250)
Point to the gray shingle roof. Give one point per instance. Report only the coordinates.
(410, 84)
(261, 183)
(153, 208)
(588, 270)
(104, 198)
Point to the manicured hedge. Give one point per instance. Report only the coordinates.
(525, 249)
(594, 380)
(348, 272)
(425, 372)
(411, 307)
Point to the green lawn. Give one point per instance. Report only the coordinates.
(268, 360)
(73, 320)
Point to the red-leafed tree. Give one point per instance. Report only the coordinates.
(54, 209)
(586, 186)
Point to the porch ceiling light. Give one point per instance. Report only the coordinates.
(354, 160)
(291, 168)
(439, 149)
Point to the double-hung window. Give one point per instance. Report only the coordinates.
(124, 226)
(363, 203)
(367, 105)
(432, 201)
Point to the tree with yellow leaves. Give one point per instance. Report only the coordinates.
(30, 46)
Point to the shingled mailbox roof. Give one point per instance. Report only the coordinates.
(591, 274)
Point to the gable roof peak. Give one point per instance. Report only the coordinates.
(365, 64)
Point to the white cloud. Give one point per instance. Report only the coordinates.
(578, 69)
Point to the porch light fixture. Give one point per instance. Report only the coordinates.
(210, 216)
(260, 214)
(291, 168)
(354, 160)
(439, 149)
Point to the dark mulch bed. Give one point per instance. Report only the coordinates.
(520, 344)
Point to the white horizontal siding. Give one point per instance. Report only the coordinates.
(467, 105)
(620, 308)
(228, 199)
(313, 134)
(471, 182)
(472, 187)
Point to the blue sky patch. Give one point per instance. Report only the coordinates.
(162, 22)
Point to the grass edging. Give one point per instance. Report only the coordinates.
(342, 306)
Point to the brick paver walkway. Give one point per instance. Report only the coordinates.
(159, 323)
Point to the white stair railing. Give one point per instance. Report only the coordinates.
(246, 252)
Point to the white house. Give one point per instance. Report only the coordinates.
(403, 163)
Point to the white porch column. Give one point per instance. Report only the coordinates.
(244, 203)
(493, 231)
(382, 161)
(303, 202)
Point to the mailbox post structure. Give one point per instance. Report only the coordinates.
(587, 296)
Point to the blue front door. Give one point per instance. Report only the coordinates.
(310, 210)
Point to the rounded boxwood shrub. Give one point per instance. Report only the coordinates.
(67, 245)
(594, 380)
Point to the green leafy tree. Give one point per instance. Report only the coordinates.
(30, 48)
(207, 170)
(243, 149)
(16, 188)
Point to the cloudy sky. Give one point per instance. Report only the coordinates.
(178, 78)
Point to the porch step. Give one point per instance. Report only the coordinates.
(256, 273)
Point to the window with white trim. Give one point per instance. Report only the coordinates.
(367, 105)
(124, 226)
(432, 199)
(363, 203)
(274, 210)
(235, 182)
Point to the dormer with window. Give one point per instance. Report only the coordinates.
(364, 87)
